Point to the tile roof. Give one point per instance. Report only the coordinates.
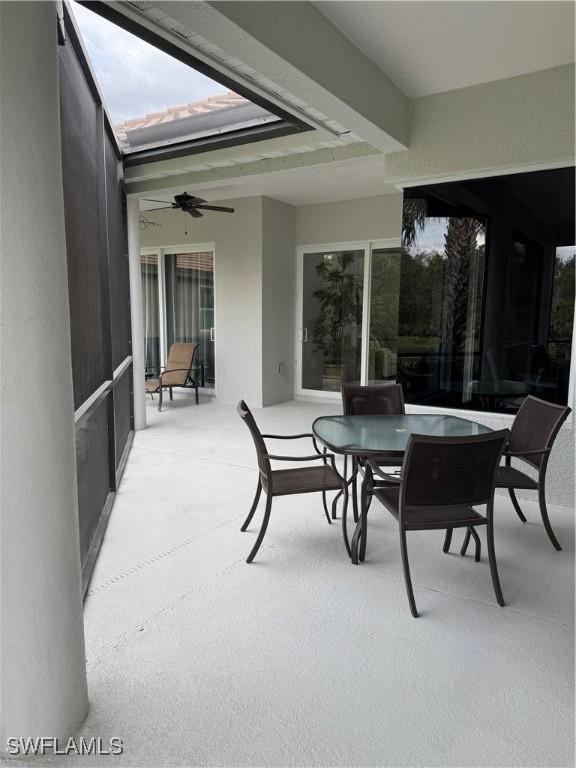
(202, 107)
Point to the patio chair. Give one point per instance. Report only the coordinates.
(370, 400)
(176, 373)
(443, 478)
(533, 434)
(286, 482)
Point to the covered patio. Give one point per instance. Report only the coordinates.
(308, 199)
(302, 658)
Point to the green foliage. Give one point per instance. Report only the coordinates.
(562, 316)
(340, 300)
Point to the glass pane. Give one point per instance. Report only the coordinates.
(425, 310)
(486, 300)
(556, 362)
(384, 315)
(332, 319)
(190, 308)
(149, 268)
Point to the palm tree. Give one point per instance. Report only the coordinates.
(460, 245)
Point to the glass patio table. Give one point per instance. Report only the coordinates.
(384, 436)
(372, 435)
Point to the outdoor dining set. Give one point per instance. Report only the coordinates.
(430, 471)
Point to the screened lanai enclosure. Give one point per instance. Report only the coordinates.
(95, 221)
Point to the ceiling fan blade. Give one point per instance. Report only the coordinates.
(147, 200)
(223, 208)
(194, 213)
(150, 210)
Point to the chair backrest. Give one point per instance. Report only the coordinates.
(535, 428)
(444, 471)
(263, 463)
(372, 400)
(180, 359)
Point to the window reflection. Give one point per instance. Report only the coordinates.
(476, 309)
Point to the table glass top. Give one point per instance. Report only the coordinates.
(382, 434)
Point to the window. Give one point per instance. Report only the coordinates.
(424, 311)
(473, 309)
(486, 318)
(178, 299)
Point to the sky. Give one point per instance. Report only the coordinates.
(431, 238)
(135, 77)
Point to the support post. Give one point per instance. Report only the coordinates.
(136, 313)
(43, 690)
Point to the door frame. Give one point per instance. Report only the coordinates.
(160, 251)
(367, 246)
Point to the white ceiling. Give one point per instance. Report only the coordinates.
(429, 47)
(300, 186)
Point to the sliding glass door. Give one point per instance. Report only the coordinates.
(378, 311)
(189, 281)
(178, 292)
(331, 312)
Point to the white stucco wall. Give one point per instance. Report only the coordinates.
(237, 239)
(369, 218)
(278, 304)
(42, 665)
(502, 126)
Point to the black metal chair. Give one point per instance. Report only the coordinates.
(533, 434)
(286, 482)
(443, 478)
(370, 400)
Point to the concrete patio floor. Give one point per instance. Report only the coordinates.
(196, 658)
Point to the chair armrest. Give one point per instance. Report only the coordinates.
(513, 454)
(322, 456)
(173, 370)
(384, 475)
(289, 437)
(295, 437)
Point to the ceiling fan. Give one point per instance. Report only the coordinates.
(189, 204)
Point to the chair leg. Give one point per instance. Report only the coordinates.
(356, 541)
(406, 569)
(355, 490)
(246, 522)
(478, 549)
(466, 541)
(170, 390)
(363, 524)
(545, 518)
(256, 546)
(335, 505)
(326, 507)
(345, 522)
(492, 560)
(160, 399)
(196, 391)
(516, 505)
(447, 539)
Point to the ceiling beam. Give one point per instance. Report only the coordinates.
(299, 51)
(214, 177)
